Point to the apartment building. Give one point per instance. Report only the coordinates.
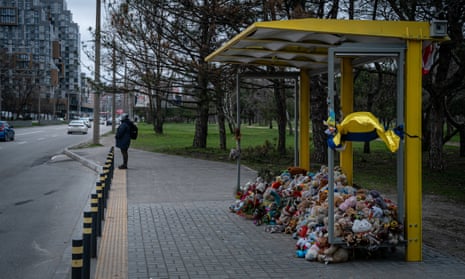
(40, 46)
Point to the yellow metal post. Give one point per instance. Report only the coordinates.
(304, 128)
(347, 103)
(412, 161)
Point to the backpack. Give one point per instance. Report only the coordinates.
(133, 130)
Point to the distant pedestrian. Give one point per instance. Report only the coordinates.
(123, 138)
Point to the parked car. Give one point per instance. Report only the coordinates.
(7, 132)
(87, 121)
(117, 122)
(77, 126)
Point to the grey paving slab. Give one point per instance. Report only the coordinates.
(204, 240)
(179, 226)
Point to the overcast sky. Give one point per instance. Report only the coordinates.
(84, 14)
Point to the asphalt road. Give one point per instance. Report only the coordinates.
(42, 197)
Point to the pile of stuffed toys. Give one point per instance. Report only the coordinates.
(296, 203)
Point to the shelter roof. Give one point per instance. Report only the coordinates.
(304, 43)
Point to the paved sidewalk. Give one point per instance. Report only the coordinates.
(179, 226)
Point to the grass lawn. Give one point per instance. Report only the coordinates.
(376, 170)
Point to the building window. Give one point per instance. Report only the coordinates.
(22, 61)
(8, 16)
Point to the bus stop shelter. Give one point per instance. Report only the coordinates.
(329, 46)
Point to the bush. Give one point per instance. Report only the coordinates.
(266, 159)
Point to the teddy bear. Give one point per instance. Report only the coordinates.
(377, 198)
(304, 205)
(258, 214)
(296, 170)
(340, 179)
(349, 238)
(373, 241)
(291, 227)
(286, 214)
(271, 215)
(350, 202)
(338, 199)
(376, 212)
(274, 228)
(303, 243)
(314, 186)
(361, 239)
(322, 196)
(302, 230)
(394, 232)
(345, 223)
(334, 254)
(317, 248)
(350, 213)
(360, 226)
(338, 230)
(312, 252)
(271, 195)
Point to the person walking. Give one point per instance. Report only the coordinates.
(123, 138)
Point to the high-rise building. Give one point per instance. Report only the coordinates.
(41, 43)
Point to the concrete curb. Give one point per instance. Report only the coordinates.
(90, 164)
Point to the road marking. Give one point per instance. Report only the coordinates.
(28, 133)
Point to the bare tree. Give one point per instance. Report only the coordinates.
(164, 44)
(446, 75)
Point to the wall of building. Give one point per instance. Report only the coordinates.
(43, 31)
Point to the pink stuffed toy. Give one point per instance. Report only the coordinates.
(349, 202)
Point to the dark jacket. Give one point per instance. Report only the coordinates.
(123, 135)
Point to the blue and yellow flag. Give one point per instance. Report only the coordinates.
(363, 126)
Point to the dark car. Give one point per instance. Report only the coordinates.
(117, 122)
(7, 132)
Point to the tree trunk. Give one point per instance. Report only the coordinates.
(159, 118)
(436, 124)
(201, 126)
(319, 112)
(280, 98)
(289, 123)
(426, 142)
(221, 118)
(151, 112)
(370, 98)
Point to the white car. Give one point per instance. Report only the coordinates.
(77, 126)
(87, 121)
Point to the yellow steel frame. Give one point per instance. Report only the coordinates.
(304, 123)
(347, 102)
(412, 159)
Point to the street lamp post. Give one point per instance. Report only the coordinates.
(69, 106)
(38, 108)
(96, 135)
